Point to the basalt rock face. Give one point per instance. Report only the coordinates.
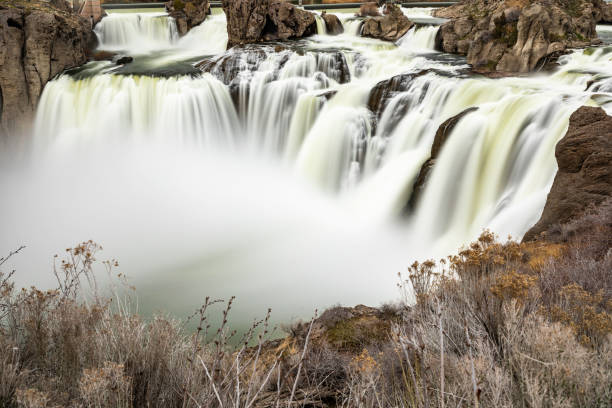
(584, 177)
(188, 13)
(390, 27)
(333, 24)
(250, 21)
(36, 44)
(444, 131)
(518, 35)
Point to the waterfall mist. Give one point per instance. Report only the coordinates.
(266, 175)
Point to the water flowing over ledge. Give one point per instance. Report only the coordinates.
(272, 170)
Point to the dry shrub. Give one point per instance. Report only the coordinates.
(497, 325)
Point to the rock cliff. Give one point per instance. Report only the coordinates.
(37, 42)
(250, 21)
(584, 177)
(517, 35)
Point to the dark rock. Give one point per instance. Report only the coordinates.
(391, 27)
(124, 60)
(444, 131)
(333, 24)
(584, 177)
(188, 13)
(384, 91)
(37, 42)
(517, 37)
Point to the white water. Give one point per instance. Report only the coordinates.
(293, 199)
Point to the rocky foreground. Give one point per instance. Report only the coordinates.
(38, 40)
(518, 35)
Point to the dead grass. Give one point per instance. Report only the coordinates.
(497, 325)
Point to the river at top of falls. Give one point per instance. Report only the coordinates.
(262, 172)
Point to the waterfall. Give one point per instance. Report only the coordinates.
(136, 32)
(420, 39)
(321, 28)
(283, 166)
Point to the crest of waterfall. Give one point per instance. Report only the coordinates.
(136, 32)
(292, 163)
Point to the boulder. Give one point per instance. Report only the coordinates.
(584, 177)
(606, 15)
(37, 42)
(369, 10)
(286, 21)
(390, 27)
(518, 36)
(442, 134)
(188, 13)
(332, 23)
(250, 21)
(124, 60)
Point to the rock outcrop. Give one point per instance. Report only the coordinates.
(584, 177)
(37, 42)
(188, 13)
(518, 35)
(333, 25)
(250, 21)
(444, 131)
(390, 27)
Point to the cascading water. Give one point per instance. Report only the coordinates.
(136, 32)
(281, 173)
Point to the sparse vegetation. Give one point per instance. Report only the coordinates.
(497, 325)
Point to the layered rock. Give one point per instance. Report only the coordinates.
(390, 27)
(333, 25)
(250, 21)
(584, 177)
(37, 42)
(188, 13)
(518, 35)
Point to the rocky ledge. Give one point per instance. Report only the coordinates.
(38, 40)
(188, 13)
(517, 35)
(251, 21)
(584, 177)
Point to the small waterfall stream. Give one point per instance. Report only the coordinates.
(276, 167)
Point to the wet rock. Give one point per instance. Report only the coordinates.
(519, 36)
(391, 27)
(124, 60)
(444, 131)
(37, 42)
(384, 91)
(606, 15)
(584, 177)
(285, 21)
(369, 10)
(332, 23)
(188, 13)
